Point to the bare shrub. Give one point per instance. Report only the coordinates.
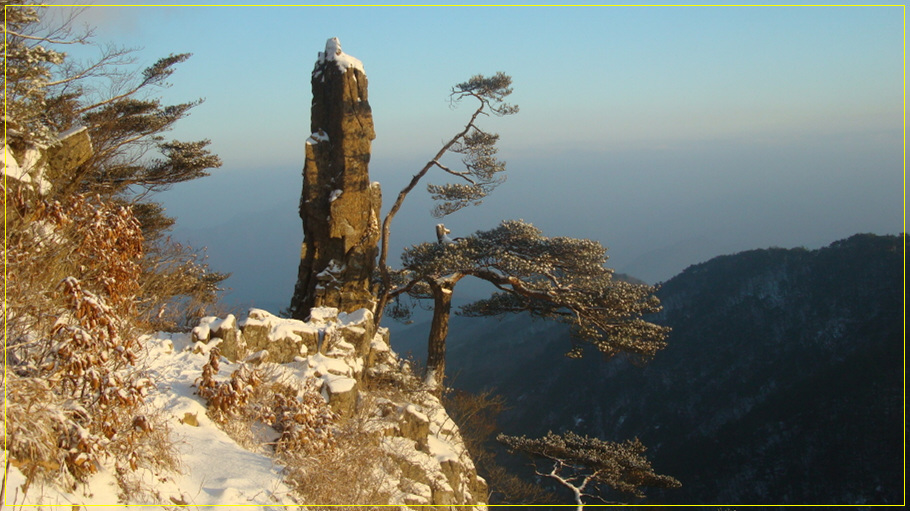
(326, 461)
(355, 471)
(73, 261)
(401, 383)
(299, 415)
(177, 287)
(226, 399)
(476, 416)
(74, 395)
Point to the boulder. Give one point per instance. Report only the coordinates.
(341, 393)
(71, 149)
(357, 329)
(225, 331)
(285, 339)
(232, 346)
(414, 425)
(37, 165)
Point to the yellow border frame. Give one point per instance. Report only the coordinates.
(5, 187)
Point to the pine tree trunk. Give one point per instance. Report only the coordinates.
(439, 330)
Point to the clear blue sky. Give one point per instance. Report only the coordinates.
(670, 134)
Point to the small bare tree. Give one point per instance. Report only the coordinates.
(584, 465)
(479, 174)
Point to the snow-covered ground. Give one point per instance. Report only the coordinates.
(214, 469)
(422, 456)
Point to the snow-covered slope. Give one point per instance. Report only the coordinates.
(421, 457)
(215, 469)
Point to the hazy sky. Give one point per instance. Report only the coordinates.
(669, 134)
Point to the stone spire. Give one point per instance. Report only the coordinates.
(339, 206)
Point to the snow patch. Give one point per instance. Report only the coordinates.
(333, 53)
(443, 451)
(323, 365)
(317, 137)
(357, 317)
(218, 472)
(215, 470)
(279, 328)
(323, 314)
(11, 167)
(339, 384)
(378, 344)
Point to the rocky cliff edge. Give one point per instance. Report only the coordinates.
(358, 375)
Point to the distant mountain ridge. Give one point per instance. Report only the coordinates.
(782, 382)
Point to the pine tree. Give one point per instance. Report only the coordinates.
(583, 464)
(562, 279)
(48, 96)
(480, 171)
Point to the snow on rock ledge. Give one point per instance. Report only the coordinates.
(332, 346)
(350, 362)
(341, 59)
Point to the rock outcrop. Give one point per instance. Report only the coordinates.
(339, 206)
(35, 166)
(339, 347)
(358, 374)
